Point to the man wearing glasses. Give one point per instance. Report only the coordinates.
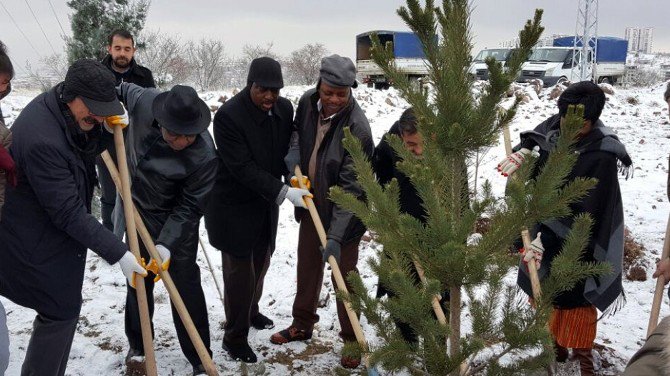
(172, 165)
(252, 132)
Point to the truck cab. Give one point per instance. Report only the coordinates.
(549, 64)
(478, 68)
(407, 52)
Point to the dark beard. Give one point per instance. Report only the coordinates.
(121, 63)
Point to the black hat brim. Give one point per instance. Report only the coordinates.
(193, 127)
(100, 108)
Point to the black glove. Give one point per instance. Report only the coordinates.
(333, 248)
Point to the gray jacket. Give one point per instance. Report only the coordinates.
(334, 164)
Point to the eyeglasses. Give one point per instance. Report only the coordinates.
(174, 136)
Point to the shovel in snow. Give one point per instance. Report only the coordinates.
(660, 283)
(339, 281)
(123, 186)
(176, 299)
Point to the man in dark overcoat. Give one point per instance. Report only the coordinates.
(252, 132)
(172, 165)
(46, 224)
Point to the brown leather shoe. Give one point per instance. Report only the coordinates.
(350, 362)
(290, 334)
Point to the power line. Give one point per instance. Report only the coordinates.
(41, 28)
(21, 31)
(57, 20)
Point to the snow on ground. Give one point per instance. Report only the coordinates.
(639, 116)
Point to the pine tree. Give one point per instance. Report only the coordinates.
(507, 334)
(93, 20)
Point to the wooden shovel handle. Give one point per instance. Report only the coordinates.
(532, 269)
(339, 281)
(131, 233)
(660, 285)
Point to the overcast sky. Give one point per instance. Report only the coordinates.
(292, 24)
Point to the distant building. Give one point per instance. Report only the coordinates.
(639, 39)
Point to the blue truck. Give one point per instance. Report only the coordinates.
(554, 64)
(408, 57)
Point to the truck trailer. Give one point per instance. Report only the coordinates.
(407, 52)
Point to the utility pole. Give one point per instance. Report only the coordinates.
(585, 45)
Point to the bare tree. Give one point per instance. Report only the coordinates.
(51, 70)
(302, 66)
(250, 52)
(208, 61)
(163, 55)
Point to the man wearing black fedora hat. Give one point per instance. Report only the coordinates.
(316, 146)
(252, 132)
(47, 225)
(172, 165)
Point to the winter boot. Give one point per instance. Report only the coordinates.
(260, 322)
(240, 351)
(585, 357)
(560, 352)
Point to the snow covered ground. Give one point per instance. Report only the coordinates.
(639, 116)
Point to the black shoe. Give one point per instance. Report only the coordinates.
(135, 363)
(133, 353)
(199, 370)
(261, 322)
(240, 351)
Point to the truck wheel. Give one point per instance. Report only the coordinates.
(562, 80)
(381, 85)
(604, 80)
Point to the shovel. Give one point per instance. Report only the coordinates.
(176, 299)
(339, 281)
(124, 184)
(660, 283)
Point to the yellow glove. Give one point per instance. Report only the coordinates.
(305, 182)
(117, 120)
(153, 264)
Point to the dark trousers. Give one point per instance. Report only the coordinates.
(186, 276)
(310, 279)
(107, 193)
(49, 347)
(242, 290)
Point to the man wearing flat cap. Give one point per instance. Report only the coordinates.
(172, 164)
(46, 224)
(252, 132)
(316, 146)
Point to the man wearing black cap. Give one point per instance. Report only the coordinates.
(172, 165)
(252, 132)
(316, 146)
(47, 225)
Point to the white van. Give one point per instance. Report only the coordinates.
(549, 64)
(478, 68)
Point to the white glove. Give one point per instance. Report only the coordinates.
(535, 252)
(295, 195)
(116, 120)
(130, 266)
(513, 161)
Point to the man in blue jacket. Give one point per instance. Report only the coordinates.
(46, 224)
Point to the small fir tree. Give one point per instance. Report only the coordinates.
(455, 125)
(93, 20)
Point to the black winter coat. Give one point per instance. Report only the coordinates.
(170, 188)
(136, 74)
(334, 164)
(251, 145)
(46, 225)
